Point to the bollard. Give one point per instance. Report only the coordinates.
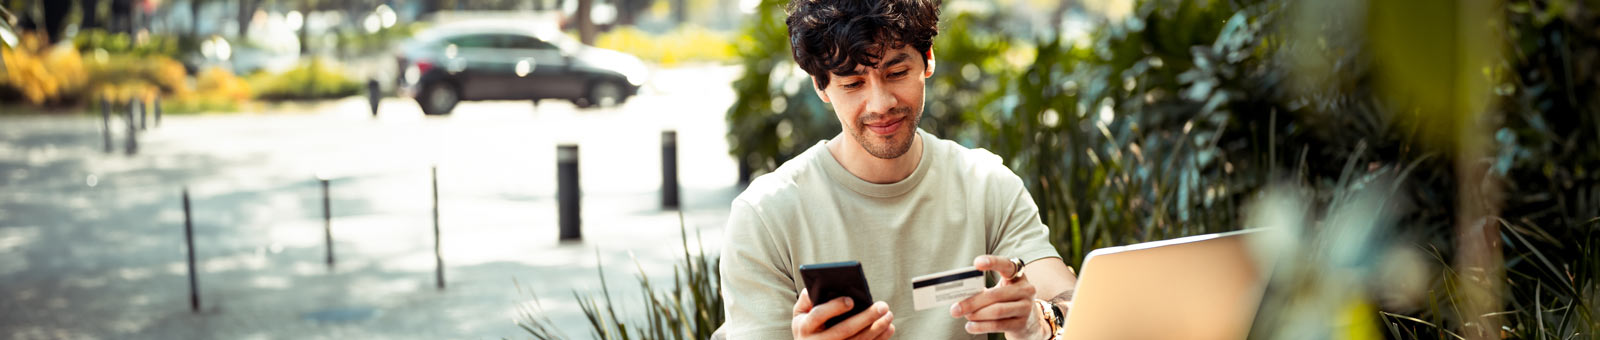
(438, 256)
(669, 170)
(373, 95)
(133, 143)
(327, 221)
(158, 111)
(144, 115)
(105, 122)
(188, 239)
(567, 192)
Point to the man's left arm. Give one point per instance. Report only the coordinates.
(1009, 306)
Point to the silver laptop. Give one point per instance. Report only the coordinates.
(1201, 287)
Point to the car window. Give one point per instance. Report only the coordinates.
(527, 43)
(474, 41)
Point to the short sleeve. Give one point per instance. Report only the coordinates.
(758, 293)
(1018, 230)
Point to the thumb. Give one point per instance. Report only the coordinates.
(803, 304)
(999, 265)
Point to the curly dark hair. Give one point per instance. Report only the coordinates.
(837, 35)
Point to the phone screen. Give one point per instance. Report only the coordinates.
(828, 281)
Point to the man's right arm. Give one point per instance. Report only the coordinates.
(758, 291)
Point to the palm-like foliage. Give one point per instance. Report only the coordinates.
(690, 309)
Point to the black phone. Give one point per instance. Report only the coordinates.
(828, 281)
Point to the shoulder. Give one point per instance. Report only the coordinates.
(781, 190)
(975, 165)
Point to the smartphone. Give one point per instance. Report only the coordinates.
(828, 281)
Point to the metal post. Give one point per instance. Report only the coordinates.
(133, 132)
(158, 111)
(105, 121)
(669, 170)
(188, 239)
(438, 256)
(567, 192)
(144, 115)
(373, 96)
(327, 220)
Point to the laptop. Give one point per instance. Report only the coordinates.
(1204, 287)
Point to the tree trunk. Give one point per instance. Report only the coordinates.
(626, 11)
(194, 18)
(55, 18)
(586, 31)
(680, 11)
(89, 10)
(305, 13)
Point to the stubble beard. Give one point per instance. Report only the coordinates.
(897, 144)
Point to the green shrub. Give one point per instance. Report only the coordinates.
(123, 76)
(313, 79)
(687, 43)
(170, 46)
(42, 74)
(357, 42)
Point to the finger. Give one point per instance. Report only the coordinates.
(996, 326)
(856, 323)
(1022, 291)
(886, 335)
(821, 314)
(1002, 311)
(878, 328)
(999, 265)
(803, 304)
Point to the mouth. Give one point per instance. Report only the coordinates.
(886, 127)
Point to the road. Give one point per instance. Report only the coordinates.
(92, 243)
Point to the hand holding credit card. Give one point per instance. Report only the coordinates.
(944, 288)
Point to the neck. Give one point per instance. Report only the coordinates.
(870, 168)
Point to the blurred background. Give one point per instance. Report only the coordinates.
(563, 168)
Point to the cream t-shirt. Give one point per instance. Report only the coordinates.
(959, 203)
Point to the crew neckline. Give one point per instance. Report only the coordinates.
(840, 175)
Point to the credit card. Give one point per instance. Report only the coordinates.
(945, 288)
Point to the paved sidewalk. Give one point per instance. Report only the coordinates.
(91, 244)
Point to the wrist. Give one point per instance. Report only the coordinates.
(1041, 324)
(1036, 328)
(1051, 319)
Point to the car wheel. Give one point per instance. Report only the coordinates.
(439, 99)
(605, 94)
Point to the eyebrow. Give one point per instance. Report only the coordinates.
(899, 57)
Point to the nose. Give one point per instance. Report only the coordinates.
(880, 100)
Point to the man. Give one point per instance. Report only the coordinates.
(883, 192)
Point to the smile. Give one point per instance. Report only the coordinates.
(887, 128)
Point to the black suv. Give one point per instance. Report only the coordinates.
(508, 60)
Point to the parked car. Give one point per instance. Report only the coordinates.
(510, 60)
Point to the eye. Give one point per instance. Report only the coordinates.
(902, 73)
(851, 86)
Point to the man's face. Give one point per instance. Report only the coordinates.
(879, 105)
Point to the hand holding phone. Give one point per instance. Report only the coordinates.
(828, 281)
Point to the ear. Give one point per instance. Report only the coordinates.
(929, 71)
(820, 93)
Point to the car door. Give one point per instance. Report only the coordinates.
(541, 69)
(479, 66)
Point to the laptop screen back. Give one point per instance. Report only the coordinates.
(1200, 287)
